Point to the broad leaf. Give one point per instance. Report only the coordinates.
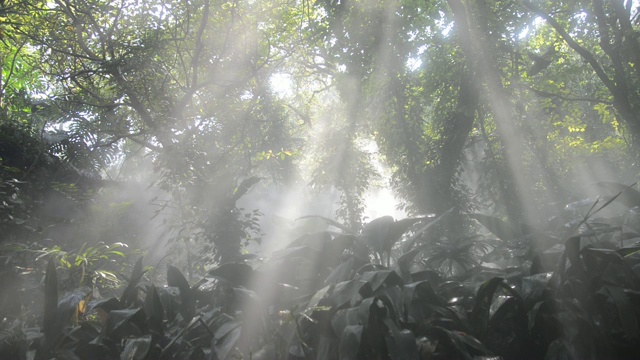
(176, 279)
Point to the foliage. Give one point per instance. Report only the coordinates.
(340, 305)
(496, 116)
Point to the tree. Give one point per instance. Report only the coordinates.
(610, 25)
(185, 83)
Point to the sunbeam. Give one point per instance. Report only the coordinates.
(362, 179)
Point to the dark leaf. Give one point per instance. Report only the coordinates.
(238, 274)
(431, 276)
(376, 233)
(350, 342)
(348, 292)
(169, 297)
(402, 345)
(153, 309)
(124, 323)
(176, 279)
(404, 263)
(136, 348)
(382, 277)
(481, 312)
(345, 271)
(130, 294)
(344, 318)
(225, 339)
(422, 291)
(73, 305)
(626, 311)
(534, 286)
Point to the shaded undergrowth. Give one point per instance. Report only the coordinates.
(397, 289)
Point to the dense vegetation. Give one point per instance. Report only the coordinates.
(148, 148)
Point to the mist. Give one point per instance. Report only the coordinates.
(319, 180)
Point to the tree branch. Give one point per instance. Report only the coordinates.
(584, 53)
(547, 94)
(66, 8)
(8, 79)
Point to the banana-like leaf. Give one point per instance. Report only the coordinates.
(343, 318)
(533, 286)
(350, 342)
(626, 312)
(383, 233)
(610, 266)
(376, 233)
(423, 292)
(345, 271)
(73, 305)
(136, 348)
(238, 274)
(404, 262)
(480, 315)
(571, 253)
(225, 339)
(382, 277)
(463, 345)
(176, 279)
(399, 227)
(432, 276)
(122, 324)
(154, 310)
(349, 293)
(168, 348)
(402, 345)
(130, 294)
